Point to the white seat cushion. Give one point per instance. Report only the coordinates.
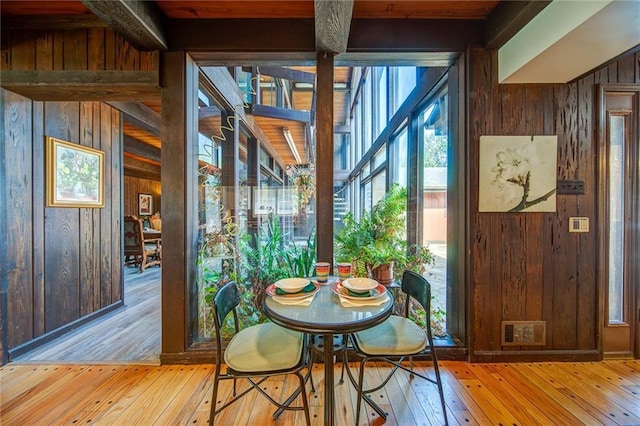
(264, 347)
(396, 336)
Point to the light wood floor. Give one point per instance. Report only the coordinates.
(129, 335)
(606, 393)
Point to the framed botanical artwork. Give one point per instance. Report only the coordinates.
(145, 204)
(518, 174)
(74, 175)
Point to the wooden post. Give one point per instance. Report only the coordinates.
(324, 157)
(179, 200)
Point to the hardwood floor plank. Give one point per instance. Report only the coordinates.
(129, 334)
(557, 391)
(554, 413)
(543, 393)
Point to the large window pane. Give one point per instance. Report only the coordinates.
(434, 128)
(616, 220)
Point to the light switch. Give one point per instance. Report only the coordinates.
(578, 224)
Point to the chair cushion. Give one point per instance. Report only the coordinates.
(264, 347)
(396, 336)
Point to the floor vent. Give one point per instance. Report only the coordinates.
(524, 333)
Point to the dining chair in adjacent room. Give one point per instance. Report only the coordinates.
(137, 250)
(256, 353)
(398, 338)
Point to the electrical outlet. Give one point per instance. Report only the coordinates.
(568, 187)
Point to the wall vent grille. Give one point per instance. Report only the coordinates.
(524, 333)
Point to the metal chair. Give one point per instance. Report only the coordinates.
(256, 353)
(395, 339)
(137, 251)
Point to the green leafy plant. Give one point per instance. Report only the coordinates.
(379, 237)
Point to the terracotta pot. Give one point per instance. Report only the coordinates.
(383, 273)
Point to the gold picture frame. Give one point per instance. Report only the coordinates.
(75, 175)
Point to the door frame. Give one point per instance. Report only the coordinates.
(632, 246)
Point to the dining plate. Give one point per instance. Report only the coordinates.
(271, 291)
(341, 290)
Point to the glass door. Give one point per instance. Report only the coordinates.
(619, 239)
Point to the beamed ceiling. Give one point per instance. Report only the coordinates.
(277, 34)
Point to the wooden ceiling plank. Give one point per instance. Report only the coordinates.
(333, 22)
(51, 22)
(509, 17)
(139, 22)
(134, 146)
(140, 115)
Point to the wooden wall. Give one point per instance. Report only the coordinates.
(59, 264)
(134, 186)
(527, 266)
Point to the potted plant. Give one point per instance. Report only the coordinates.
(376, 245)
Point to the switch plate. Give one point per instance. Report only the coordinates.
(578, 224)
(570, 187)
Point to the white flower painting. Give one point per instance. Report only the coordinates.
(518, 174)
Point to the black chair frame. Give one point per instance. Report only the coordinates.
(417, 287)
(225, 302)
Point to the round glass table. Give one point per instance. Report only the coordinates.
(326, 316)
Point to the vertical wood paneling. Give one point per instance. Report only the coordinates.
(534, 113)
(75, 49)
(87, 255)
(132, 186)
(62, 230)
(17, 154)
(513, 260)
(97, 219)
(480, 124)
(44, 50)
(116, 205)
(528, 263)
(72, 256)
(565, 263)
(96, 49)
(38, 180)
(58, 50)
(586, 206)
(106, 270)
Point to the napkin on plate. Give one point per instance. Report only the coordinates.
(353, 303)
(305, 301)
(309, 288)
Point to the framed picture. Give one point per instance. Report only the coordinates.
(145, 204)
(74, 175)
(518, 173)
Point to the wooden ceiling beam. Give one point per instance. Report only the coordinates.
(280, 113)
(139, 148)
(285, 73)
(278, 40)
(139, 115)
(509, 17)
(139, 22)
(333, 21)
(248, 35)
(414, 35)
(63, 85)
